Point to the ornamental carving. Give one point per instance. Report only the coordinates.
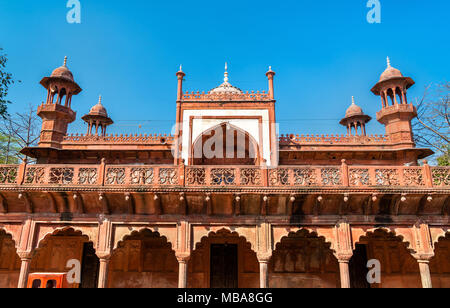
(413, 177)
(115, 176)
(279, 177)
(168, 176)
(61, 175)
(223, 176)
(250, 176)
(359, 177)
(387, 177)
(441, 176)
(331, 176)
(8, 175)
(142, 176)
(87, 176)
(196, 176)
(35, 175)
(305, 177)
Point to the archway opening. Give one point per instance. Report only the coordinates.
(440, 263)
(223, 260)
(398, 269)
(57, 249)
(9, 261)
(303, 260)
(143, 259)
(225, 144)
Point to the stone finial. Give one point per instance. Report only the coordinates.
(353, 100)
(100, 100)
(65, 61)
(388, 62)
(225, 79)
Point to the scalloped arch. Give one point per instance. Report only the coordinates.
(326, 234)
(227, 231)
(43, 236)
(10, 233)
(136, 231)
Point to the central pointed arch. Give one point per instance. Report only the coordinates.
(225, 144)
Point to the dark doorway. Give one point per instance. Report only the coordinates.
(358, 268)
(224, 266)
(89, 267)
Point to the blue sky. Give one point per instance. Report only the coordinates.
(128, 51)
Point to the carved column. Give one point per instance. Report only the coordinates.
(344, 252)
(103, 271)
(425, 274)
(104, 250)
(183, 260)
(344, 270)
(264, 254)
(424, 251)
(25, 257)
(264, 270)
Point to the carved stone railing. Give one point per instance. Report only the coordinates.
(119, 139)
(333, 139)
(226, 176)
(206, 97)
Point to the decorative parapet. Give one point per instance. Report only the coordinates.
(206, 97)
(119, 139)
(227, 176)
(334, 139)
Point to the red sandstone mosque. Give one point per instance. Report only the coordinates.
(263, 211)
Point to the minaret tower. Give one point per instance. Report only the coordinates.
(56, 112)
(396, 113)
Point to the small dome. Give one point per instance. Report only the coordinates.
(226, 88)
(390, 72)
(353, 110)
(63, 72)
(99, 110)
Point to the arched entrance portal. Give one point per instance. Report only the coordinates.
(143, 259)
(9, 262)
(223, 260)
(303, 260)
(55, 250)
(225, 144)
(399, 269)
(440, 264)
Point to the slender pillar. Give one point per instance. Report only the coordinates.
(103, 272)
(24, 269)
(270, 74)
(182, 271)
(264, 274)
(345, 273)
(425, 275)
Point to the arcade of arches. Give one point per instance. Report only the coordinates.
(223, 258)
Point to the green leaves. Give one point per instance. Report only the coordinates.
(5, 81)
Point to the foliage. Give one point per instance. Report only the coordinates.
(432, 125)
(5, 81)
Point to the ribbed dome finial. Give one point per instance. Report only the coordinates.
(100, 100)
(353, 100)
(65, 61)
(388, 62)
(226, 73)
